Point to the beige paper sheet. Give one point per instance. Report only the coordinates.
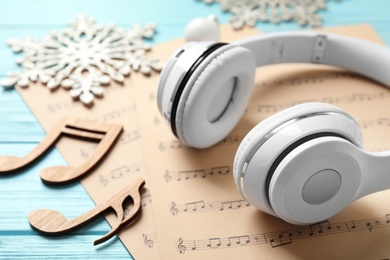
(200, 214)
(197, 212)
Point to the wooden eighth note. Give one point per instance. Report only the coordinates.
(105, 133)
(50, 222)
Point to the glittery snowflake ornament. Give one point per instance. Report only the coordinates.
(83, 57)
(248, 12)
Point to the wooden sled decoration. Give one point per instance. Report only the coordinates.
(79, 128)
(50, 222)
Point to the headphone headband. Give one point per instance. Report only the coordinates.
(350, 53)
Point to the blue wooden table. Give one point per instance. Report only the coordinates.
(20, 132)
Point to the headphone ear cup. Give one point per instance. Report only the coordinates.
(253, 188)
(267, 125)
(215, 97)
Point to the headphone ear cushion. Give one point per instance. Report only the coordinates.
(215, 97)
(265, 128)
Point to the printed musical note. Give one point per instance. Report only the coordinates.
(267, 108)
(372, 225)
(233, 139)
(196, 174)
(364, 97)
(181, 247)
(319, 227)
(202, 206)
(128, 137)
(119, 172)
(237, 240)
(193, 174)
(378, 122)
(176, 145)
(193, 246)
(183, 175)
(146, 200)
(194, 205)
(214, 242)
(369, 226)
(233, 204)
(352, 98)
(118, 113)
(308, 79)
(220, 170)
(54, 107)
(286, 237)
(350, 225)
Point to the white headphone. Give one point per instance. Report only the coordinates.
(304, 164)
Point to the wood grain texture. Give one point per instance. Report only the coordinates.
(20, 132)
(105, 133)
(51, 222)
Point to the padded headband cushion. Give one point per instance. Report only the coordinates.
(270, 123)
(215, 97)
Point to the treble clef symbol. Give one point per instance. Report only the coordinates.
(174, 210)
(182, 248)
(147, 241)
(167, 176)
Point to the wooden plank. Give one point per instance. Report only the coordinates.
(19, 245)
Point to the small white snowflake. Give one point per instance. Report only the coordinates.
(248, 12)
(83, 56)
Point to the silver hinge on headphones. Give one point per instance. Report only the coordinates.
(319, 49)
(277, 49)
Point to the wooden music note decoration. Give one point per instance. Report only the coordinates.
(105, 133)
(50, 222)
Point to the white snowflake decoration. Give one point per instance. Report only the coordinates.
(248, 12)
(83, 57)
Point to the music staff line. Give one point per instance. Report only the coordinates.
(178, 176)
(118, 113)
(283, 238)
(58, 106)
(125, 138)
(381, 122)
(237, 138)
(202, 206)
(311, 79)
(119, 172)
(129, 136)
(353, 98)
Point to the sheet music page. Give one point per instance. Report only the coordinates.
(199, 213)
(123, 164)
